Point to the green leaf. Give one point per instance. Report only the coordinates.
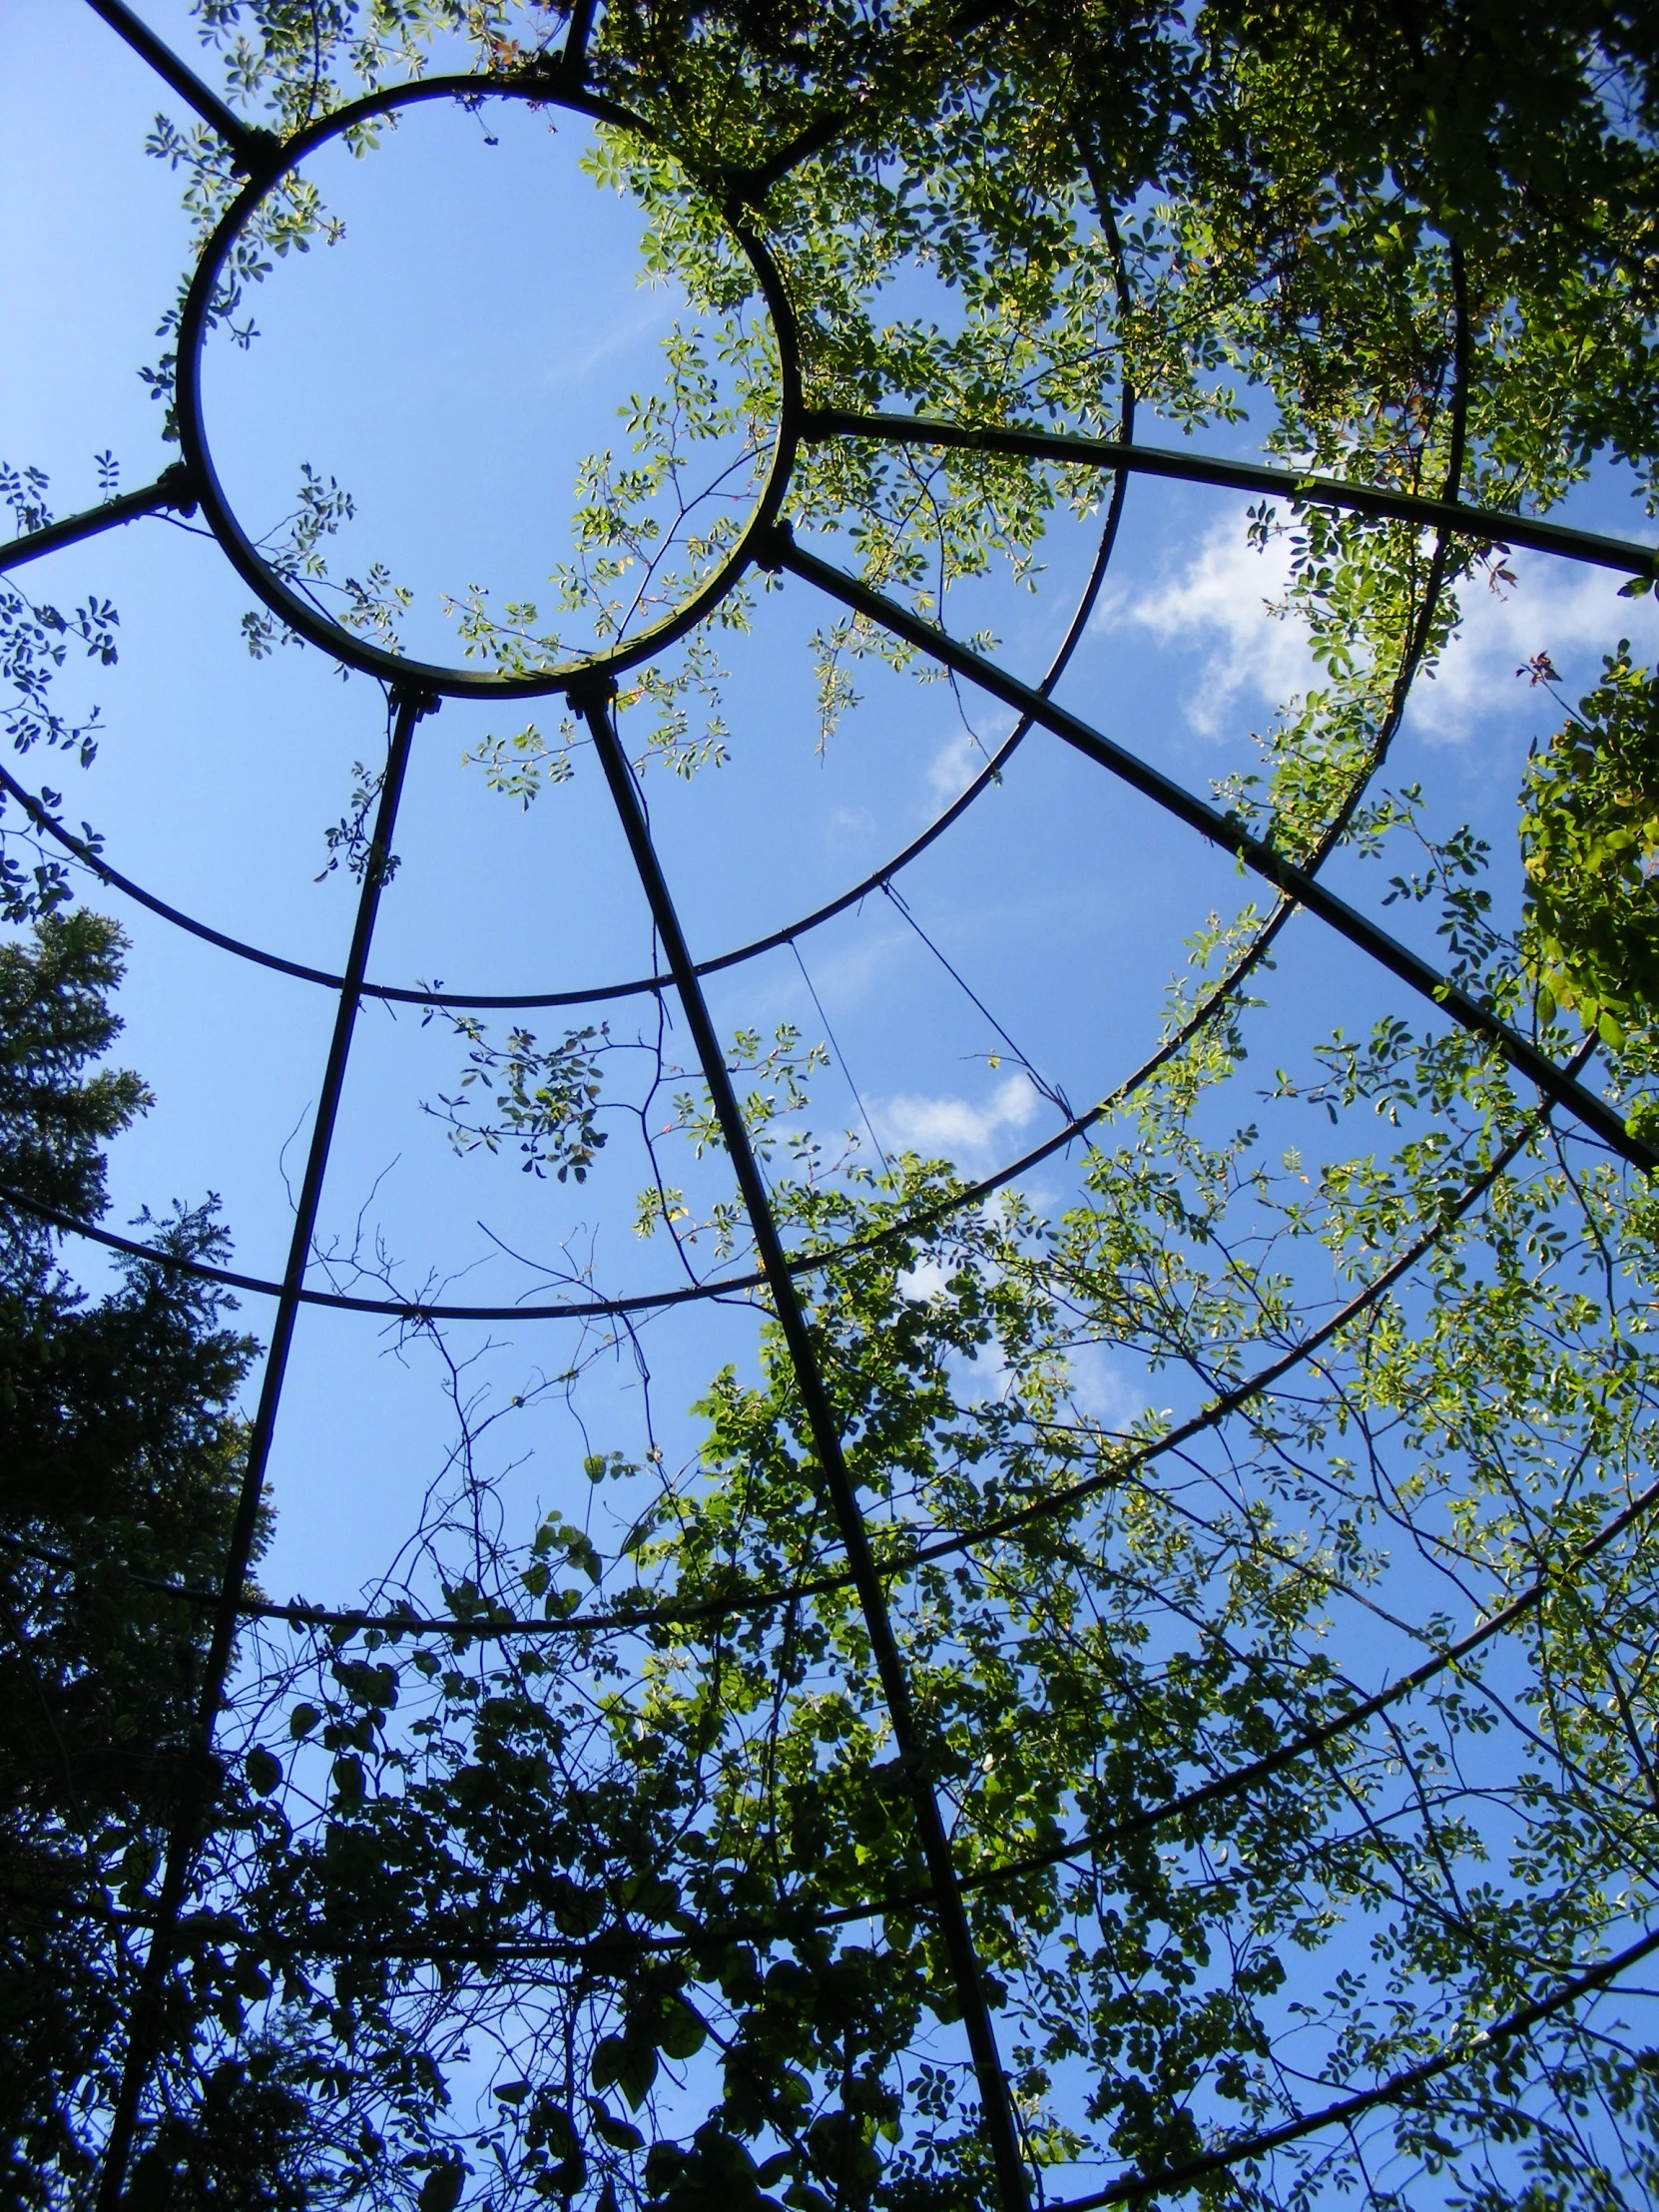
(302, 1720)
(637, 2072)
(441, 2190)
(620, 2134)
(263, 1771)
(680, 2034)
(606, 2063)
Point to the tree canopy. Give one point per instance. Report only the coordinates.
(1296, 1737)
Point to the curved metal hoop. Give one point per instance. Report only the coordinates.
(640, 985)
(409, 995)
(291, 606)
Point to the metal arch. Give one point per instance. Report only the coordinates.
(402, 994)
(806, 1262)
(494, 1627)
(1217, 1788)
(552, 89)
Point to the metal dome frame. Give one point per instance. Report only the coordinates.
(588, 685)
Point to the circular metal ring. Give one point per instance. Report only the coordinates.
(409, 995)
(297, 612)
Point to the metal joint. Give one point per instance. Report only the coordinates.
(544, 72)
(742, 192)
(257, 152)
(590, 690)
(177, 489)
(417, 700)
(774, 548)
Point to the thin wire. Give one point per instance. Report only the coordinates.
(1051, 1091)
(840, 1058)
(1226, 833)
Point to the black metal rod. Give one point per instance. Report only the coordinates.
(1482, 2039)
(998, 2114)
(1230, 836)
(1491, 524)
(573, 56)
(171, 489)
(751, 185)
(253, 148)
(181, 1843)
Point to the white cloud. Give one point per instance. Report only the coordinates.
(1102, 1390)
(1573, 614)
(954, 766)
(1217, 607)
(925, 1279)
(1218, 603)
(952, 1127)
(961, 758)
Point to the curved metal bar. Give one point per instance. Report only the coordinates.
(804, 1263)
(1004, 1524)
(553, 89)
(252, 148)
(505, 1001)
(1136, 2188)
(573, 54)
(401, 995)
(1229, 834)
(172, 488)
(389, 1308)
(721, 1285)
(1494, 525)
(1232, 1782)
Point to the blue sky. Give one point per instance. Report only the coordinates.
(493, 288)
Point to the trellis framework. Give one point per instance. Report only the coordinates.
(588, 685)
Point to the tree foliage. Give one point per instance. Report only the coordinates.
(121, 1465)
(1296, 1727)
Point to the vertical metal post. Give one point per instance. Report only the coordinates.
(199, 1784)
(594, 704)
